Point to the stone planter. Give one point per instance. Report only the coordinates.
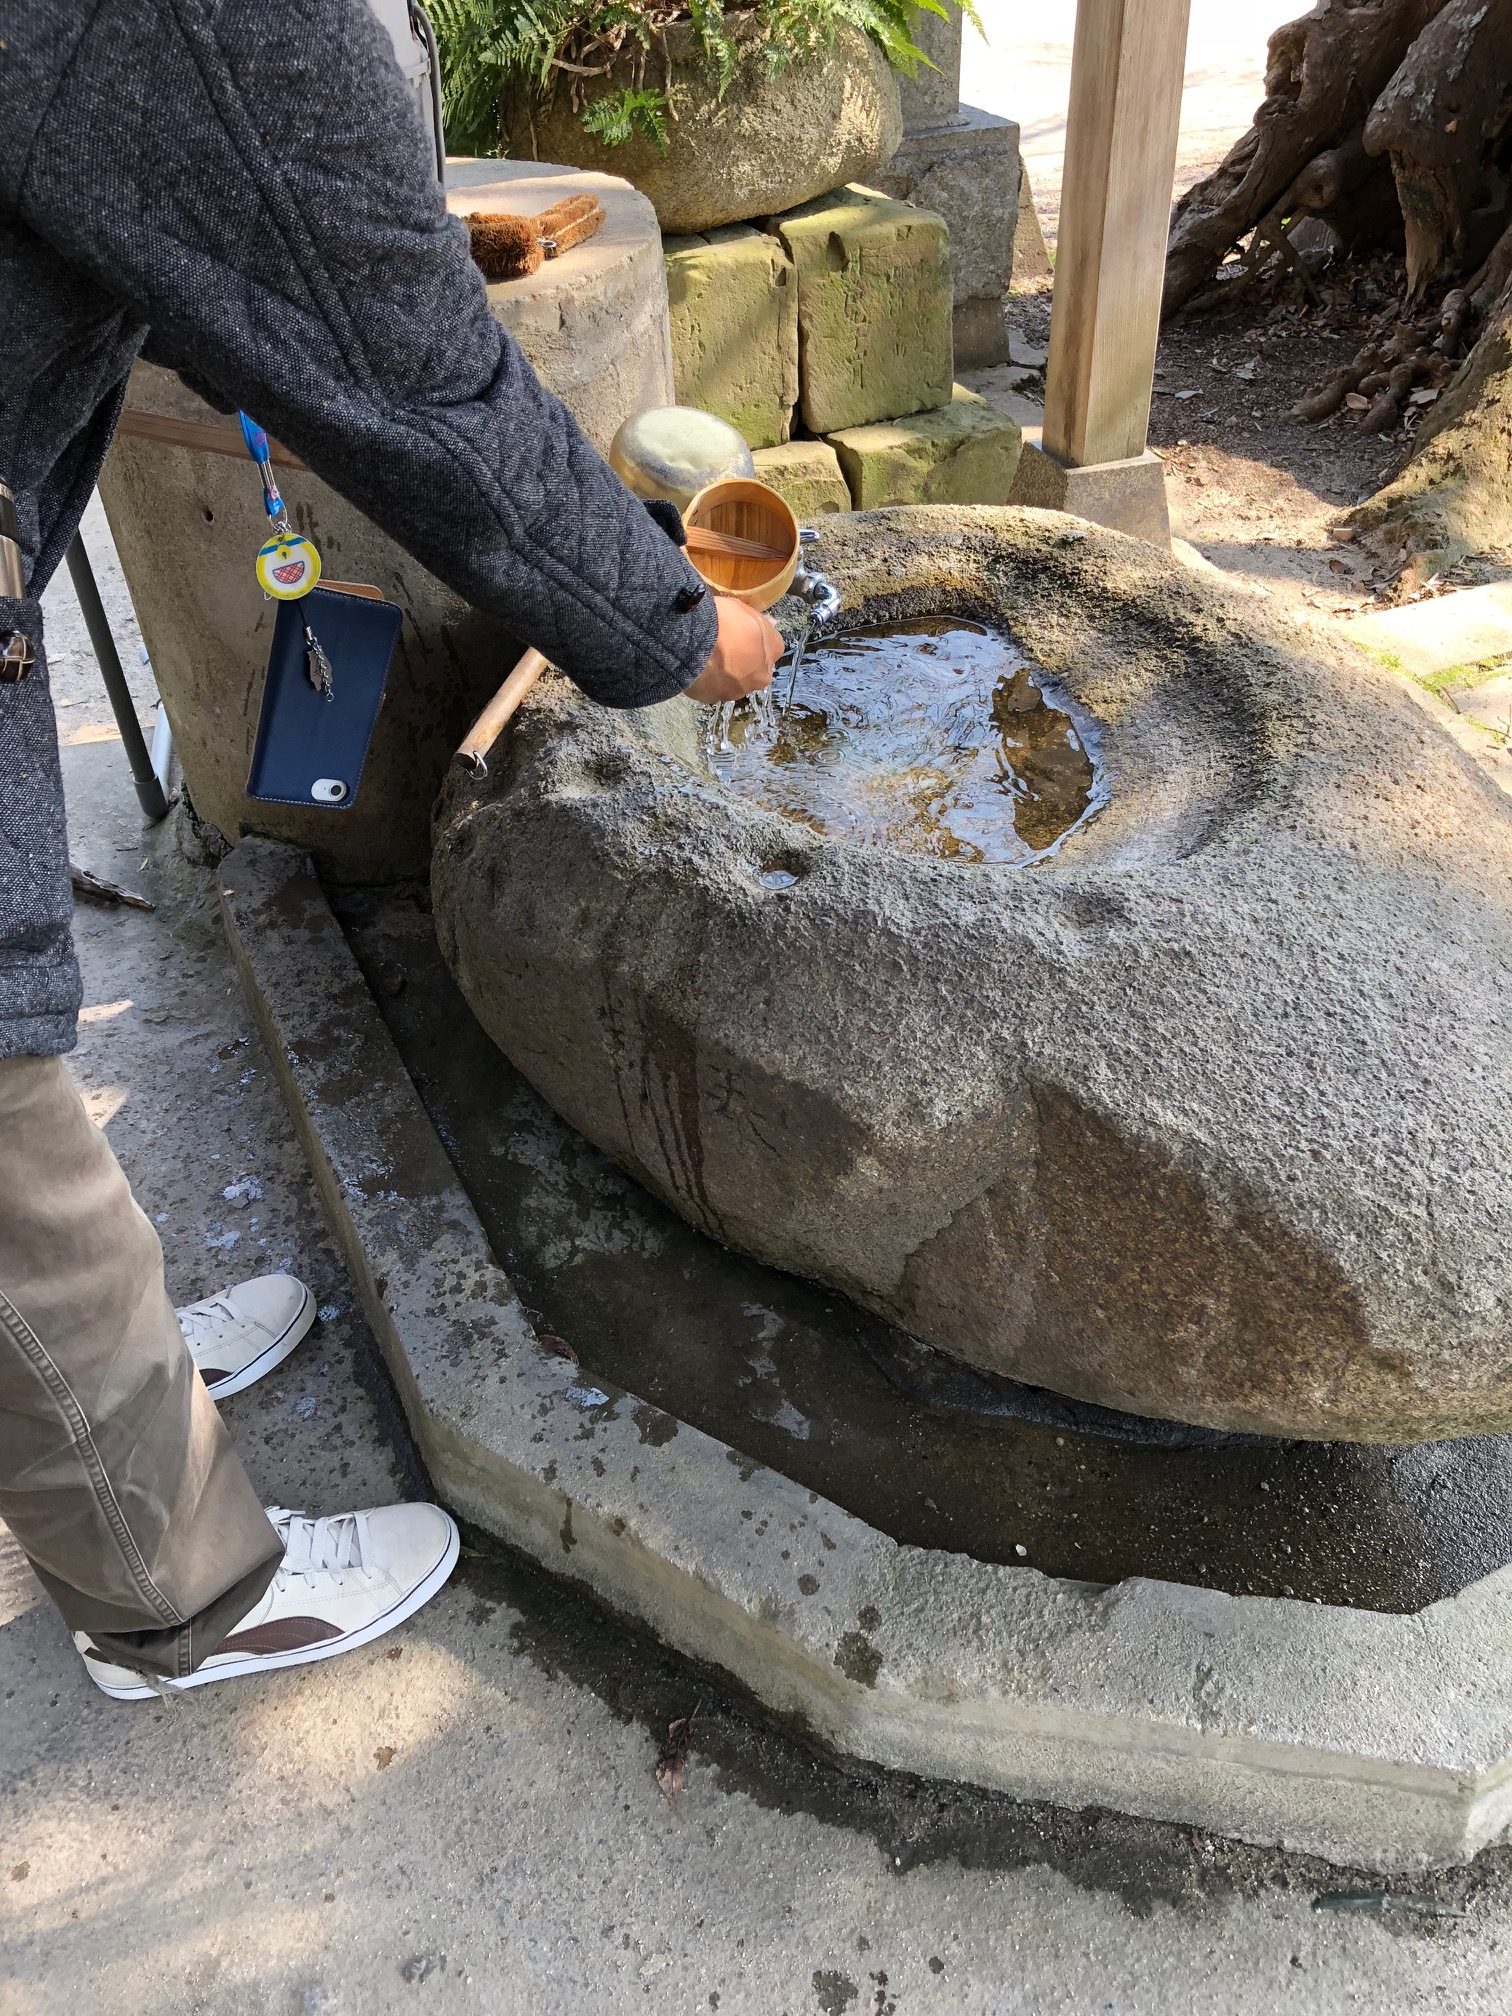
(1207, 1117)
(774, 140)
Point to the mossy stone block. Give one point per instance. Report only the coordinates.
(807, 475)
(963, 453)
(874, 308)
(734, 309)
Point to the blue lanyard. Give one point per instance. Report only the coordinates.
(317, 663)
(262, 455)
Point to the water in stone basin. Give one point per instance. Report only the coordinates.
(937, 737)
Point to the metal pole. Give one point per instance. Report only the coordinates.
(154, 801)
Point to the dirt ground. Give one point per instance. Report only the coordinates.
(1253, 492)
(1252, 489)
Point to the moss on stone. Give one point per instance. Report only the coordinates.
(807, 475)
(733, 299)
(875, 308)
(963, 453)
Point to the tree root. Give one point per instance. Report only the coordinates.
(1454, 497)
(1322, 77)
(1330, 396)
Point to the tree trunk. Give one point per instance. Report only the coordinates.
(1455, 495)
(1442, 119)
(1323, 75)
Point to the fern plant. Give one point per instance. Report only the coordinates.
(493, 47)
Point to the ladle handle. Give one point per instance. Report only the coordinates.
(496, 716)
(701, 540)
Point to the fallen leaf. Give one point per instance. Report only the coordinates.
(1424, 396)
(672, 1765)
(557, 1346)
(1195, 393)
(1356, 402)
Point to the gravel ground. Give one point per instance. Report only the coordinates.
(1020, 69)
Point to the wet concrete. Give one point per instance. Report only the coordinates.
(793, 1376)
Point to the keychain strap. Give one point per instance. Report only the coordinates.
(257, 447)
(288, 565)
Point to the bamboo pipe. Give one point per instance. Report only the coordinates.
(496, 716)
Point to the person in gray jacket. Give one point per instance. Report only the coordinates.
(247, 194)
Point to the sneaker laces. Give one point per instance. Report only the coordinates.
(314, 1548)
(205, 1320)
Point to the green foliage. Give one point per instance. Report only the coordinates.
(489, 47)
(620, 114)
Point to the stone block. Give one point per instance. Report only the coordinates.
(1439, 636)
(807, 475)
(1031, 255)
(1125, 496)
(966, 169)
(963, 453)
(931, 95)
(874, 308)
(733, 299)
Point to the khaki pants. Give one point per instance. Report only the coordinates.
(116, 1475)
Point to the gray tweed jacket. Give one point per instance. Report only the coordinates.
(247, 187)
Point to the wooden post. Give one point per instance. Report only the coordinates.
(1126, 75)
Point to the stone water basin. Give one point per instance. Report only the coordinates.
(1201, 1112)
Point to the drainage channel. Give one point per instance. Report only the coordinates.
(799, 1380)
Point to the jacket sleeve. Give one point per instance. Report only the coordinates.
(256, 184)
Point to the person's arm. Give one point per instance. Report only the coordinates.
(255, 183)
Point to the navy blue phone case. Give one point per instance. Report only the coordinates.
(308, 746)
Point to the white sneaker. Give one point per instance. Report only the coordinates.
(238, 1335)
(344, 1582)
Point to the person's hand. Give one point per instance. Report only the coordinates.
(744, 657)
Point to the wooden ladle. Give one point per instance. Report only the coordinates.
(496, 716)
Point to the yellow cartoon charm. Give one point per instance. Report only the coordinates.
(288, 566)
